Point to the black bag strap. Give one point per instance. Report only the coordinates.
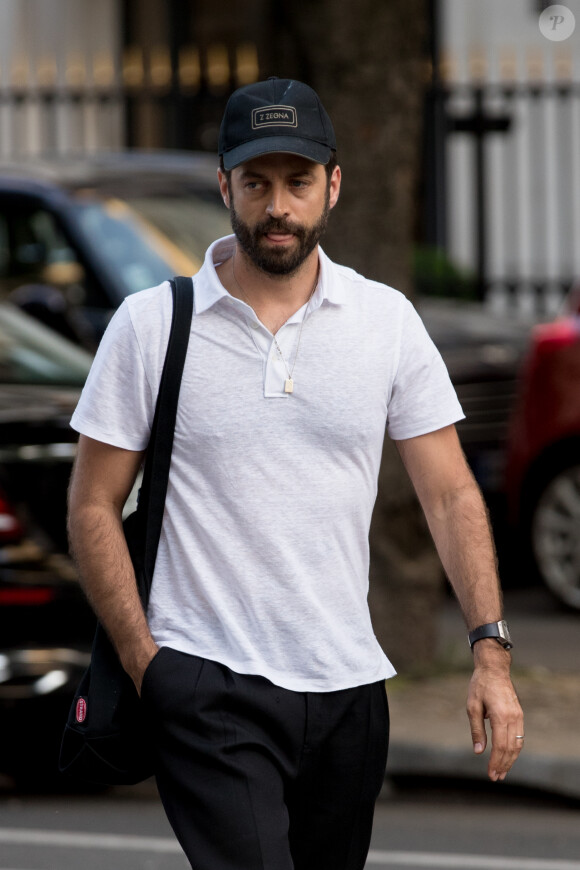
(151, 503)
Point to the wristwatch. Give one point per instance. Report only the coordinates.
(498, 630)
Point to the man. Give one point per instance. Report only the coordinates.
(256, 660)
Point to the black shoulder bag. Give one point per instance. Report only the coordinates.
(106, 737)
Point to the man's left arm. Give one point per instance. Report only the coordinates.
(458, 521)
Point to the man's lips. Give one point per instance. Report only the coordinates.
(279, 238)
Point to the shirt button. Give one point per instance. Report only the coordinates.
(254, 325)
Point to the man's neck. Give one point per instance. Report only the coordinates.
(274, 298)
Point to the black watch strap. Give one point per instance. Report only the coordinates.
(498, 630)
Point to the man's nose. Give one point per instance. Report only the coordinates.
(278, 205)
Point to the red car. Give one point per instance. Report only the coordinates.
(542, 475)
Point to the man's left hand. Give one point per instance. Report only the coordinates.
(492, 696)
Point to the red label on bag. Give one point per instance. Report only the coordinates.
(81, 711)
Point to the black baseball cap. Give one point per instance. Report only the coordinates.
(275, 115)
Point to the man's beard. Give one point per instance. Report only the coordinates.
(278, 261)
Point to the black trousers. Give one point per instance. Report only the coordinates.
(255, 777)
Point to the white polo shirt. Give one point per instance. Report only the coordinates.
(263, 559)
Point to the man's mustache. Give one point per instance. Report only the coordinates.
(278, 226)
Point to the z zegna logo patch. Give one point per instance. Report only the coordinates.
(274, 116)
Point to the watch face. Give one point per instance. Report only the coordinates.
(504, 630)
(504, 634)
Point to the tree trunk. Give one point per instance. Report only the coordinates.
(367, 60)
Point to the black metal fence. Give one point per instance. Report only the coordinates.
(502, 188)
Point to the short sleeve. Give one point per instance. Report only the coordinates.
(423, 398)
(116, 405)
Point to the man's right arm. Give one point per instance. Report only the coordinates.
(102, 479)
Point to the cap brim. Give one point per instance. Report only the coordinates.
(314, 151)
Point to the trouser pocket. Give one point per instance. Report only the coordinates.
(170, 680)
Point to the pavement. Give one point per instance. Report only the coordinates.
(430, 734)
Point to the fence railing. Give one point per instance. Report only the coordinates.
(60, 121)
(508, 166)
(161, 98)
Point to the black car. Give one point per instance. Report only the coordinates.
(77, 236)
(45, 623)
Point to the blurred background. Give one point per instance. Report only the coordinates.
(458, 127)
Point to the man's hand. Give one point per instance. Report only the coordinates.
(136, 660)
(458, 521)
(492, 696)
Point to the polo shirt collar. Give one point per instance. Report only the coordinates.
(331, 287)
(209, 290)
(208, 287)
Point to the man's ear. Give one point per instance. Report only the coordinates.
(223, 183)
(334, 186)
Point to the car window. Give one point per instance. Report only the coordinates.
(30, 244)
(139, 255)
(190, 222)
(40, 271)
(31, 353)
(68, 263)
